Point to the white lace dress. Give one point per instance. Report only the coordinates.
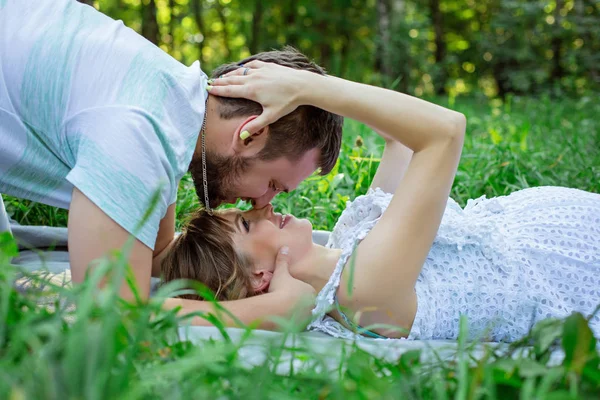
(505, 263)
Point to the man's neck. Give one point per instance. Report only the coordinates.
(216, 140)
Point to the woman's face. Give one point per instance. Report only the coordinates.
(260, 234)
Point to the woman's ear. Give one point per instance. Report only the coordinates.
(261, 280)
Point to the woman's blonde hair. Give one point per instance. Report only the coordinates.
(205, 252)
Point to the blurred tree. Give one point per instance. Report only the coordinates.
(556, 43)
(433, 47)
(384, 42)
(290, 24)
(198, 12)
(257, 20)
(149, 22)
(437, 20)
(223, 28)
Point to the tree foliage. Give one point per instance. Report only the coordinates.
(421, 47)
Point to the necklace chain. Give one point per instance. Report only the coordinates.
(204, 180)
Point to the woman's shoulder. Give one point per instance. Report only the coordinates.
(359, 215)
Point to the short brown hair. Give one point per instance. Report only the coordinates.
(204, 252)
(303, 129)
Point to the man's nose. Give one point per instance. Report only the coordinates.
(264, 200)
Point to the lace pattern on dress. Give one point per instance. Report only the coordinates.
(505, 263)
(354, 224)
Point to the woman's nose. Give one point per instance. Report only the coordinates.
(267, 211)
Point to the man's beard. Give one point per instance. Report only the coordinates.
(222, 174)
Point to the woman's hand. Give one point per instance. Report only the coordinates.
(276, 88)
(298, 294)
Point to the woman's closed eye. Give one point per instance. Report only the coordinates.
(246, 224)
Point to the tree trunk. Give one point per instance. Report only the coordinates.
(440, 46)
(400, 66)
(149, 22)
(344, 54)
(171, 5)
(382, 55)
(197, 10)
(324, 46)
(223, 20)
(557, 69)
(591, 43)
(290, 23)
(256, 24)
(499, 69)
(326, 26)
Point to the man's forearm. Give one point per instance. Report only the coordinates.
(164, 239)
(157, 260)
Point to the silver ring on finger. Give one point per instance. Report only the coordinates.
(246, 71)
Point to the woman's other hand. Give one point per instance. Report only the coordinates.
(299, 296)
(276, 88)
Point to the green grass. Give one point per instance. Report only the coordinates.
(119, 350)
(106, 348)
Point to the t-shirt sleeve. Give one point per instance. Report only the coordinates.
(120, 163)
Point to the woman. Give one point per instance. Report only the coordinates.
(404, 255)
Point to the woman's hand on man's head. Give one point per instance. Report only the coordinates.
(276, 88)
(299, 295)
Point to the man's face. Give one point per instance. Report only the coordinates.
(250, 178)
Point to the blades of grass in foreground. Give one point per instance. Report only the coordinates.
(107, 348)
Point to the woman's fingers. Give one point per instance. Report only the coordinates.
(263, 120)
(271, 85)
(254, 64)
(245, 69)
(228, 80)
(231, 91)
(280, 274)
(240, 71)
(283, 259)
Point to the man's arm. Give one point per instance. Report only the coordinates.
(93, 234)
(166, 233)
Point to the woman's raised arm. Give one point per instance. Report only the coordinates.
(280, 90)
(393, 165)
(389, 260)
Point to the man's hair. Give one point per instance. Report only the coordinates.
(303, 129)
(205, 252)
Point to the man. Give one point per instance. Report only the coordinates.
(96, 119)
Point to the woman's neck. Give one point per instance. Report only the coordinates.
(316, 267)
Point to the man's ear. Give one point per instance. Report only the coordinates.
(251, 145)
(261, 280)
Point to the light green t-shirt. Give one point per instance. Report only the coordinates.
(86, 102)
